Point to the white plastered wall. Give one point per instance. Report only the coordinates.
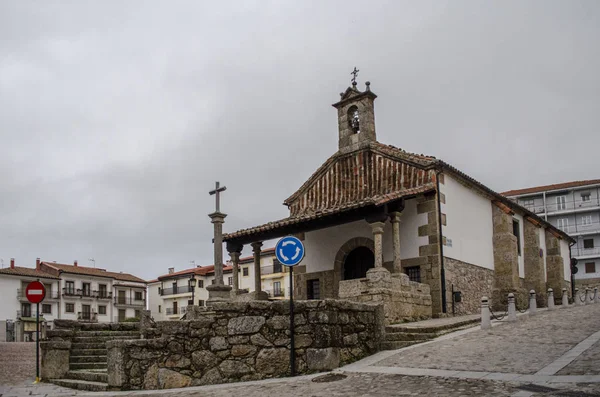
(521, 242)
(469, 224)
(323, 245)
(564, 252)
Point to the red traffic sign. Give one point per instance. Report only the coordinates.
(35, 292)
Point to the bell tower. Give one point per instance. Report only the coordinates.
(356, 117)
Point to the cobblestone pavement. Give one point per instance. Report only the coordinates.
(17, 363)
(586, 364)
(523, 347)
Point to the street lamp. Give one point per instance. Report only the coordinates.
(192, 284)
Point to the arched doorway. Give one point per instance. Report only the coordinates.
(358, 261)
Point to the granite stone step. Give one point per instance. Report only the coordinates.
(97, 365)
(80, 384)
(135, 334)
(87, 359)
(88, 345)
(103, 338)
(89, 352)
(409, 336)
(88, 375)
(393, 345)
(438, 329)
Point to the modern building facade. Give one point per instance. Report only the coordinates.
(72, 292)
(573, 207)
(170, 294)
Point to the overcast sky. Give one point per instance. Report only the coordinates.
(116, 118)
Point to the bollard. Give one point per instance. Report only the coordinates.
(595, 298)
(532, 303)
(565, 298)
(486, 322)
(587, 296)
(512, 310)
(577, 298)
(550, 299)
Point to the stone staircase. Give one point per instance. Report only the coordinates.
(404, 335)
(88, 359)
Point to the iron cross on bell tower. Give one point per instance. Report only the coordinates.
(217, 193)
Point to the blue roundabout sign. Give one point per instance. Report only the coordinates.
(289, 251)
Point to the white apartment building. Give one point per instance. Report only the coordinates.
(170, 294)
(72, 292)
(573, 207)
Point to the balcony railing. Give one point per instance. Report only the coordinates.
(553, 206)
(272, 269)
(87, 317)
(585, 251)
(49, 294)
(593, 227)
(123, 301)
(103, 294)
(276, 293)
(173, 311)
(71, 292)
(177, 290)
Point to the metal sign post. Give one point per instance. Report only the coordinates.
(290, 251)
(35, 293)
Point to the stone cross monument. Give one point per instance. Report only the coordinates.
(218, 291)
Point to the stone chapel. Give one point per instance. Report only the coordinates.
(379, 223)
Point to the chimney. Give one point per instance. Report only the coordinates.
(37, 263)
(12, 263)
(75, 263)
(171, 270)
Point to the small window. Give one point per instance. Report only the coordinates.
(200, 283)
(47, 309)
(586, 196)
(354, 119)
(200, 302)
(70, 287)
(102, 310)
(313, 290)
(230, 280)
(190, 302)
(159, 308)
(245, 271)
(277, 267)
(414, 273)
(590, 267)
(138, 314)
(87, 289)
(138, 296)
(528, 203)
(517, 233)
(70, 308)
(586, 220)
(212, 281)
(588, 243)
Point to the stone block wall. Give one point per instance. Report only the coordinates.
(472, 281)
(534, 263)
(431, 267)
(246, 341)
(555, 278)
(403, 300)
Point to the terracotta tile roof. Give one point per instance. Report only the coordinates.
(557, 186)
(90, 271)
(25, 271)
(377, 200)
(198, 271)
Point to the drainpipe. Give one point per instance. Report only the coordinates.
(441, 243)
(571, 269)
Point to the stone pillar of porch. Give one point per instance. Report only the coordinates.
(554, 263)
(378, 275)
(235, 251)
(534, 261)
(258, 293)
(395, 219)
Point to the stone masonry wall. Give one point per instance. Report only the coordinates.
(534, 263)
(472, 281)
(246, 341)
(431, 267)
(554, 266)
(403, 300)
